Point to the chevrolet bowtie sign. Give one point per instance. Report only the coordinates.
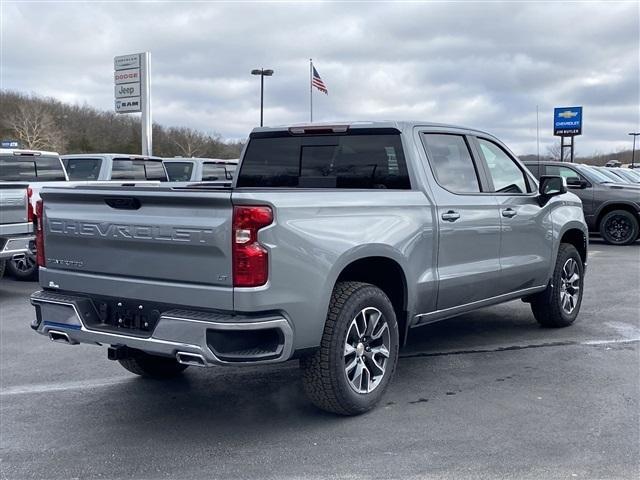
(567, 121)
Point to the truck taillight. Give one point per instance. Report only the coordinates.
(250, 259)
(29, 205)
(38, 227)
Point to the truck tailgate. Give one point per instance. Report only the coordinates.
(143, 239)
(13, 209)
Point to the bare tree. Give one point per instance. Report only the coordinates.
(190, 143)
(35, 127)
(553, 152)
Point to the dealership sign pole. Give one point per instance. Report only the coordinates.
(132, 91)
(567, 122)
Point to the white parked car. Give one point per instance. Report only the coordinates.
(182, 169)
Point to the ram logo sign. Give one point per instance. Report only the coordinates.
(567, 121)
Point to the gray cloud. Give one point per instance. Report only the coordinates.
(485, 65)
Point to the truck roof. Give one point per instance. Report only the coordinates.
(227, 161)
(21, 151)
(401, 125)
(110, 155)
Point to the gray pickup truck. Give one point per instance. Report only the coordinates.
(15, 229)
(332, 244)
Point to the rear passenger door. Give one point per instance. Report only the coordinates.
(525, 247)
(468, 222)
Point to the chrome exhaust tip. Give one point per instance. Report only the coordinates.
(193, 359)
(62, 337)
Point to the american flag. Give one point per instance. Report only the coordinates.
(318, 83)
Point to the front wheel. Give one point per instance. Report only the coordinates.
(619, 227)
(358, 352)
(559, 304)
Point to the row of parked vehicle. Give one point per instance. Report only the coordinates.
(23, 173)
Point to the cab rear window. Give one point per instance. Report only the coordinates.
(362, 161)
(31, 168)
(138, 169)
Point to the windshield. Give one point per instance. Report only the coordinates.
(593, 175)
(611, 175)
(179, 171)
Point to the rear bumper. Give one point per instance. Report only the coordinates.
(13, 246)
(179, 333)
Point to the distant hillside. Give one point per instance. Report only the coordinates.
(48, 124)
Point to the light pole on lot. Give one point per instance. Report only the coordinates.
(633, 150)
(263, 73)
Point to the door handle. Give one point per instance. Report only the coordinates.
(450, 216)
(509, 213)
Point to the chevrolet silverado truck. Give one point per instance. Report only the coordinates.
(16, 231)
(332, 244)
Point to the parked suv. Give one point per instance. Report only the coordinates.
(333, 243)
(612, 209)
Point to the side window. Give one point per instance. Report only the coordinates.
(83, 168)
(451, 162)
(565, 172)
(507, 176)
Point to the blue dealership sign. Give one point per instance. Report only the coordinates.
(567, 121)
(9, 144)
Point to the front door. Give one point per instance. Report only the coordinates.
(468, 222)
(527, 235)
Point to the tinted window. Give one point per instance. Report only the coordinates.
(557, 170)
(31, 168)
(507, 176)
(451, 162)
(327, 161)
(179, 171)
(82, 168)
(212, 172)
(127, 169)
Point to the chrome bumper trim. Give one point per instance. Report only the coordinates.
(16, 246)
(172, 334)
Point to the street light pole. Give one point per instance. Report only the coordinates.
(263, 73)
(633, 150)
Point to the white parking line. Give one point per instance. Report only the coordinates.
(61, 387)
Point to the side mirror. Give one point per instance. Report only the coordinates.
(575, 182)
(551, 186)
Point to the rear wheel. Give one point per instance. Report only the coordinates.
(559, 304)
(619, 227)
(357, 357)
(152, 366)
(23, 268)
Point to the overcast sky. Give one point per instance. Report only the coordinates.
(483, 65)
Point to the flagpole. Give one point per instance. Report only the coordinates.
(310, 90)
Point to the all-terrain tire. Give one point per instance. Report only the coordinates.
(549, 307)
(153, 366)
(23, 269)
(324, 373)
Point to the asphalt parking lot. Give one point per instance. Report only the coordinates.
(490, 394)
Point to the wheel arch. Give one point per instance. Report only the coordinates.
(615, 205)
(385, 270)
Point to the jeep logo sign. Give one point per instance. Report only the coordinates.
(127, 90)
